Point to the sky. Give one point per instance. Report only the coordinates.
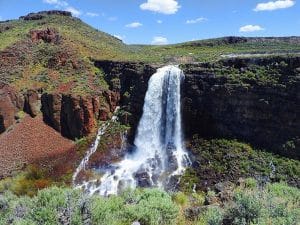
(172, 21)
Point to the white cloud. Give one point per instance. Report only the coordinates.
(119, 36)
(91, 14)
(112, 18)
(274, 5)
(57, 3)
(74, 11)
(159, 21)
(161, 6)
(134, 25)
(1, 18)
(159, 41)
(251, 28)
(198, 20)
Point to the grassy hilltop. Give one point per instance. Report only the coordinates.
(66, 64)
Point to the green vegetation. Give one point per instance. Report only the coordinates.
(277, 71)
(113, 136)
(27, 182)
(68, 66)
(275, 203)
(57, 205)
(221, 159)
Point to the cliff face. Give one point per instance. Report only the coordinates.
(266, 115)
(71, 115)
(130, 80)
(253, 100)
(12, 102)
(76, 116)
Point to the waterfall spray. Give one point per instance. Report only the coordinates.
(93, 148)
(159, 153)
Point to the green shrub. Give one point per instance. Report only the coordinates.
(247, 208)
(180, 198)
(198, 198)
(150, 207)
(250, 183)
(214, 216)
(155, 207)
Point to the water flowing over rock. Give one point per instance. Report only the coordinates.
(93, 148)
(159, 154)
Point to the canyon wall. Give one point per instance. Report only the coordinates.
(263, 110)
(255, 100)
(267, 115)
(73, 116)
(131, 81)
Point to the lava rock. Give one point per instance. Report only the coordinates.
(142, 178)
(48, 35)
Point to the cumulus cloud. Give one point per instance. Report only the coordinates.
(91, 14)
(134, 25)
(63, 5)
(274, 5)
(57, 3)
(119, 36)
(159, 41)
(161, 6)
(74, 11)
(198, 20)
(251, 28)
(112, 18)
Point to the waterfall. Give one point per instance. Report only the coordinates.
(93, 147)
(159, 154)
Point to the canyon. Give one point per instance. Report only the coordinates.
(266, 115)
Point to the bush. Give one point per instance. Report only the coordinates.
(214, 216)
(180, 198)
(150, 207)
(250, 183)
(247, 208)
(273, 204)
(155, 207)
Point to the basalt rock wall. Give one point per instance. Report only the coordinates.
(131, 81)
(264, 114)
(232, 98)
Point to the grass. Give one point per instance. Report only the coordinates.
(275, 203)
(81, 44)
(221, 160)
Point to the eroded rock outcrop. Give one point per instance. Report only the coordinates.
(10, 104)
(40, 15)
(48, 35)
(32, 102)
(76, 116)
(130, 80)
(255, 100)
(264, 114)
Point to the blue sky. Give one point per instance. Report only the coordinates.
(171, 21)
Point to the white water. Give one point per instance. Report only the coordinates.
(93, 148)
(159, 153)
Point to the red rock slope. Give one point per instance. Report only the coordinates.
(29, 141)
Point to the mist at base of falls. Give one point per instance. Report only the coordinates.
(159, 154)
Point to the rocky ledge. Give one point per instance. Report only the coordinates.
(71, 115)
(255, 100)
(254, 110)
